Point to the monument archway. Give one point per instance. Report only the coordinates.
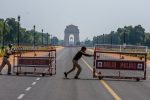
(71, 40)
(68, 39)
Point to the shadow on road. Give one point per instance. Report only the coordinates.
(80, 79)
(122, 80)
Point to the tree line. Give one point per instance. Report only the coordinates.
(128, 34)
(26, 37)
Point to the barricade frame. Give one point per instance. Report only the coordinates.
(50, 61)
(121, 51)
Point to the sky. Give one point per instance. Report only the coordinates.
(93, 17)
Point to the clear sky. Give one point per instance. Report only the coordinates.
(93, 17)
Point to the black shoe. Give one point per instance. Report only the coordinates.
(0, 73)
(9, 73)
(76, 77)
(65, 74)
(100, 77)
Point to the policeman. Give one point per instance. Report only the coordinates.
(8, 52)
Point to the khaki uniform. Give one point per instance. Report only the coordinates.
(6, 61)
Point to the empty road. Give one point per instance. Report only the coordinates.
(31, 87)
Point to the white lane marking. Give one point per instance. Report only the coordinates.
(28, 89)
(20, 96)
(33, 83)
(38, 79)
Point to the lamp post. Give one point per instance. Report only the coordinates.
(47, 38)
(103, 38)
(51, 39)
(42, 37)
(124, 37)
(34, 36)
(93, 42)
(3, 34)
(111, 39)
(18, 30)
(96, 39)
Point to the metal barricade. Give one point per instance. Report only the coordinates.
(27, 61)
(120, 61)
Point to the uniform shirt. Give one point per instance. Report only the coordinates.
(79, 55)
(7, 52)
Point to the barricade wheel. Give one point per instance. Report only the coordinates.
(100, 77)
(50, 74)
(137, 79)
(17, 74)
(43, 74)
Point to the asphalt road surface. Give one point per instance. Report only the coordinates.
(31, 87)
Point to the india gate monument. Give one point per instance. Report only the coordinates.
(71, 35)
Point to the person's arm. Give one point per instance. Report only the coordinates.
(86, 54)
(9, 52)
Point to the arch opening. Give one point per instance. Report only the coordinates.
(71, 40)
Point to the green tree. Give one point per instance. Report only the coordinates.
(11, 36)
(139, 34)
(55, 41)
(88, 43)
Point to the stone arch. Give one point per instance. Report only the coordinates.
(71, 30)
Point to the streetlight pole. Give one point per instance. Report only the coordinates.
(124, 37)
(111, 39)
(103, 38)
(18, 30)
(34, 36)
(93, 42)
(51, 38)
(97, 40)
(42, 37)
(3, 34)
(47, 38)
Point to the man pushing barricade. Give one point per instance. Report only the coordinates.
(75, 62)
(7, 53)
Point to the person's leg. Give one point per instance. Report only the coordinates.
(2, 65)
(72, 68)
(9, 66)
(79, 70)
(66, 73)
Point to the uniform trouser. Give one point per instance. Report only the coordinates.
(75, 65)
(5, 62)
